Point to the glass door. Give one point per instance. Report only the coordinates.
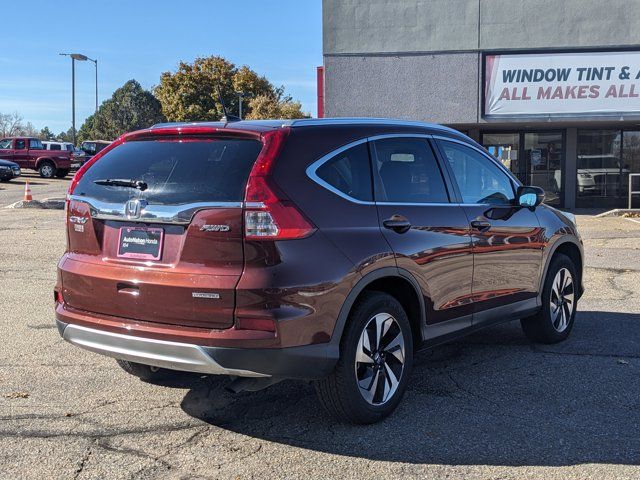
(599, 181)
(544, 152)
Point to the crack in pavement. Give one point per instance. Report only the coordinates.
(44, 434)
(585, 354)
(84, 460)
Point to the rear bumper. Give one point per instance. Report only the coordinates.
(304, 362)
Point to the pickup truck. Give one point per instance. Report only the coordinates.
(28, 152)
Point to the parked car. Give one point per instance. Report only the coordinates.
(8, 170)
(326, 250)
(30, 153)
(93, 147)
(78, 156)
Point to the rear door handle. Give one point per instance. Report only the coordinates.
(397, 223)
(481, 225)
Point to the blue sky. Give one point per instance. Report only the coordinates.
(281, 39)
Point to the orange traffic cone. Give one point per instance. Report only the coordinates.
(27, 192)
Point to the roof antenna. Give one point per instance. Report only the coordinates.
(227, 118)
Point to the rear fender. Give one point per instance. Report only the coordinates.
(359, 288)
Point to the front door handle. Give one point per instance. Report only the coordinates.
(397, 223)
(481, 225)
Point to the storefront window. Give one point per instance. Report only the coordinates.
(535, 158)
(599, 175)
(505, 147)
(630, 162)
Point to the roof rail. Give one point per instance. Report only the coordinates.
(303, 122)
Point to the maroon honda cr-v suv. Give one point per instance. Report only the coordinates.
(326, 250)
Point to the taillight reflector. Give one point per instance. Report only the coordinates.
(251, 323)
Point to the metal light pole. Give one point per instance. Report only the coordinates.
(80, 58)
(241, 96)
(95, 63)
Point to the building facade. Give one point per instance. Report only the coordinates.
(551, 87)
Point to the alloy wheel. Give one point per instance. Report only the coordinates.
(380, 359)
(562, 300)
(47, 171)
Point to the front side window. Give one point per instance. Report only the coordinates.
(35, 144)
(478, 178)
(408, 171)
(54, 146)
(349, 173)
(5, 143)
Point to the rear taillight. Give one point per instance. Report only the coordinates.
(269, 214)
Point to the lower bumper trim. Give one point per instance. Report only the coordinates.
(159, 353)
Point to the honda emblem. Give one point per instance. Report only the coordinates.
(133, 208)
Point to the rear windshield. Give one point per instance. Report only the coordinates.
(176, 172)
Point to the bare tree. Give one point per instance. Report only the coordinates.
(28, 130)
(11, 124)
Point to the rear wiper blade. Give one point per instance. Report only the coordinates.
(122, 182)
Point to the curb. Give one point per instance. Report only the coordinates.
(46, 204)
(619, 212)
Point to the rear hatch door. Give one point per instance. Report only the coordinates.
(155, 230)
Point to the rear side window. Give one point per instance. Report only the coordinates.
(35, 144)
(54, 146)
(21, 145)
(176, 172)
(349, 172)
(409, 171)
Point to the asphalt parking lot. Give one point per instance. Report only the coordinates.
(42, 188)
(490, 406)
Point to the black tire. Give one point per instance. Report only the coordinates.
(144, 372)
(47, 169)
(541, 327)
(5, 179)
(339, 392)
(62, 172)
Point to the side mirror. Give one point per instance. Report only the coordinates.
(529, 197)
